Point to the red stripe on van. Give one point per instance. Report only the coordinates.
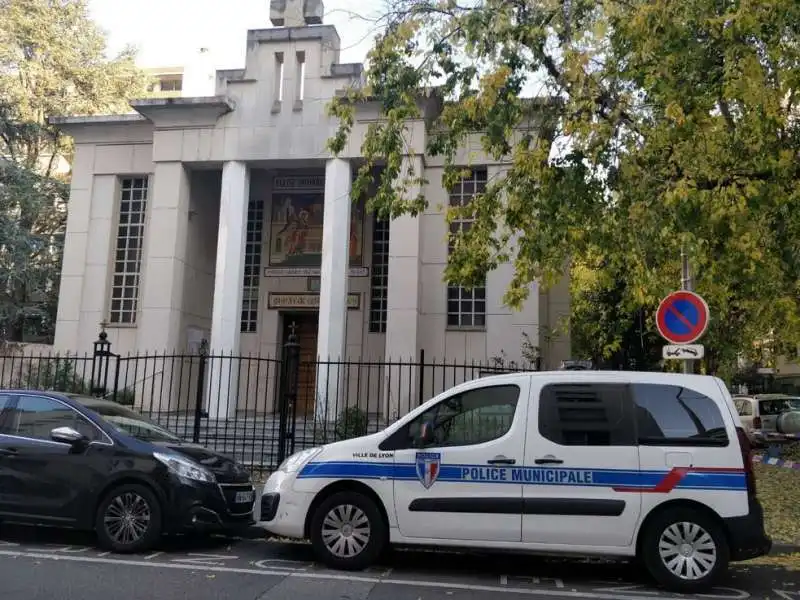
(674, 477)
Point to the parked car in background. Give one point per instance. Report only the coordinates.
(764, 414)
(92, 464)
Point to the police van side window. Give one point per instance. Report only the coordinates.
(472, 417)
(671, 415)
(596, 414)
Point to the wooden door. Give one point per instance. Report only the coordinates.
(305, 327)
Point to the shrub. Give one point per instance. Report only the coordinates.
(352, 422)
(59, 375)
(125, 396)
(55, 375)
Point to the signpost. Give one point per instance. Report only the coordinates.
(682, 319)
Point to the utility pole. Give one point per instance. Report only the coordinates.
(686, 284)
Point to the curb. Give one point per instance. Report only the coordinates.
(779, 549)
(777, 462)
(254, 532)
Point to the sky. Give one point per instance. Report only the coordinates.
(168, 32)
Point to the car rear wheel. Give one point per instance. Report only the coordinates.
(128, 519)
(685, 550)
(348, 531)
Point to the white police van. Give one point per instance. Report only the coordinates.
(648, 465)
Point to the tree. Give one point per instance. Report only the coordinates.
(603, 330)
(52, 62)
(668, 124)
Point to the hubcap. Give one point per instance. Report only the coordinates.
(687, 550)
(345, 531)
(127, 518)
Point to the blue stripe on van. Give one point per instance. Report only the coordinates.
(620, 479)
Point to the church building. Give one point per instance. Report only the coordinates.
(219, 215)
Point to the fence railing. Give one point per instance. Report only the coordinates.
(257, 409)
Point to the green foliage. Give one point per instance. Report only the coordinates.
(55, 375)
(660, 124)
(352, 422)
(603, 330)
(60, 374)
(52, 62)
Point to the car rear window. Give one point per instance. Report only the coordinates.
(772, 407)
(672, 415)
(744, 408)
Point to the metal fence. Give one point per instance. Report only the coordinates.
(257, 409)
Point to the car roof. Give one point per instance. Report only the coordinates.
(82, 399)
(591, 376)
(90, 401)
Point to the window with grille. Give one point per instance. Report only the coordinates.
(379, 283)
(252, 265)
(128, 256)
(466, 307)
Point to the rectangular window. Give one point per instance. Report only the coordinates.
(128, 256)
(466, 307)
(671, 415)
(379, 283)
(279, 76)
(252, 265)
(300, 76)
(593, 414)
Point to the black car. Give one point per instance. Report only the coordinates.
(93, 464)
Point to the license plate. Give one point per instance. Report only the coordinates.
(243, 497)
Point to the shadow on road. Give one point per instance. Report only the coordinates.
(616, 579)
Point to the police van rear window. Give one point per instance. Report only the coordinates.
(606, 414)
(671, 415)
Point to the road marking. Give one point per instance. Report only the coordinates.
(204, 559)
(424, 583)
(530, 580)
(72, 549)
(153, 555)
(275, 563)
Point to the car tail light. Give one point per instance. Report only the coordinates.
(756, 422)
(747, 459)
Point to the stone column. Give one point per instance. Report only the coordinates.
(162, 279)
(403, 303)
(333, 288)
(223, 373)
(164, 259)
(505, 327)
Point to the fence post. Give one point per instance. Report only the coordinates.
(100, 358)
(198, 400)
(290, 365)
(421, 376)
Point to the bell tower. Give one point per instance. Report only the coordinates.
(296, 13)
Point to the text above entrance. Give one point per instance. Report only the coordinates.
(278, 300)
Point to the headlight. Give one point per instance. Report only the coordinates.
(184, 467)
(297, 460)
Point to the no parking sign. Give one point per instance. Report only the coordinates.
(682, 318)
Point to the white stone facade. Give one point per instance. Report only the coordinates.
(201, 218)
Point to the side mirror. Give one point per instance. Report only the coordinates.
(425, 434)
(67, 435)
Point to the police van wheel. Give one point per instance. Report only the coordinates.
(684, 550)
(348, 531)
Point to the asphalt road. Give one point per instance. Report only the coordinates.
(42, 563)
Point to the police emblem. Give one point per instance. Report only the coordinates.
(428, 467)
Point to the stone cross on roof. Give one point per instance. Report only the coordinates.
(295, 13)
